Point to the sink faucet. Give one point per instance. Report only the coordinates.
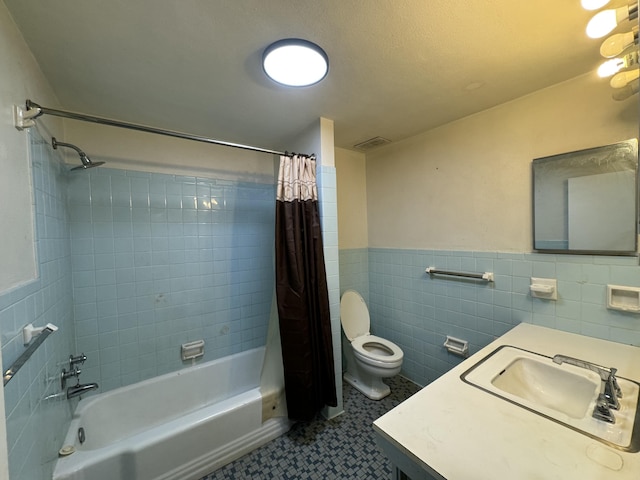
(80, 389)
(609, 389)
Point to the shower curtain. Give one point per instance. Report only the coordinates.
(301, 291)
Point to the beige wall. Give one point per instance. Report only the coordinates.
(467, 185)
(352, 199)
(20, 78)
(132, 150)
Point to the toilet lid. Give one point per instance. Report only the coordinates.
(354, 315)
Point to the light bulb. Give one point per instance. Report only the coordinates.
(593, 4)
(610, 67)
(613, 66)
(606, 20)
(626, 92)
(622, 79)
(616, 44)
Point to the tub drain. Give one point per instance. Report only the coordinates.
(81, 435)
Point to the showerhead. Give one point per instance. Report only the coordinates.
(86, 161)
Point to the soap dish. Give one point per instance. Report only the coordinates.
(623, 298)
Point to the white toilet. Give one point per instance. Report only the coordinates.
(369, 358)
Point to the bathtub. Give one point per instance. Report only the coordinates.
(181, 425)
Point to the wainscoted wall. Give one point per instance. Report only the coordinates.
(354, 271)
(417, 312)
(36, 414)
(160, 260)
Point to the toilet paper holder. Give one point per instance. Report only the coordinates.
(456, 346)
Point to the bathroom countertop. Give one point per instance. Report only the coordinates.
(463, 433)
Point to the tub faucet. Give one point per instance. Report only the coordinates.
(609, 389)
(80, 389)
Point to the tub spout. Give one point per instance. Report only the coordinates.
(80, 389)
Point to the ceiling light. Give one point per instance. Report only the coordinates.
(295, 62)
(618, 43)
(604, 22)
(593, 4)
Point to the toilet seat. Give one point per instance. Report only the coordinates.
(390, 360)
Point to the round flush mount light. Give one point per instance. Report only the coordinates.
(295, 62)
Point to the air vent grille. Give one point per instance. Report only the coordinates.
(372, 143)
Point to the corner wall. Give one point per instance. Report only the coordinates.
(318, 138)
(351, 177)
(28, 291)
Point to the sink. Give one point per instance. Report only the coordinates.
(544, 385)
(565, 394)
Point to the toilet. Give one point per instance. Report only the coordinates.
(368, 358)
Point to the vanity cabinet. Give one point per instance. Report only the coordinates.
(453, 430)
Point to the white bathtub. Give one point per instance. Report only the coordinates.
(181, 425)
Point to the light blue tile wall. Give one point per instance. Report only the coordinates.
(160, 260)
(354, 271)
(37, 416)
(417, 311)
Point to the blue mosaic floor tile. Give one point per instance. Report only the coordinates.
(341, 448)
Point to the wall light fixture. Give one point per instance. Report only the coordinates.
(621, 49)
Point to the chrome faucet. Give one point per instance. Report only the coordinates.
(80, 389)
(609, 389)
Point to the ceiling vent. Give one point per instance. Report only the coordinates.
(372, 143)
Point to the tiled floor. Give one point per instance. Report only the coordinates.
(342, 448)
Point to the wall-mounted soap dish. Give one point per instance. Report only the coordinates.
(192, 350)
(546, 288)
(623, 298)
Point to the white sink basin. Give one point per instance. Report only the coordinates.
(564, 393)
(546, 385)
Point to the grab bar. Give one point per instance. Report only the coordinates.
(486, 276)
(29, 331)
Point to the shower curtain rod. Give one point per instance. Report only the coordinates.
(25, 119)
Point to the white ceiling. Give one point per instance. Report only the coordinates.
(397, 67)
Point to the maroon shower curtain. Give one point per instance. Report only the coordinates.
(301, 292)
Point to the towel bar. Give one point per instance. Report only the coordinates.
(42, 333)
(486, 276)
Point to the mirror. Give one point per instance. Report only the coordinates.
(587, 201)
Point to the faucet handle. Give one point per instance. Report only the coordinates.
(75, 372)
(614, 382)
(612, 390)
(77, 359)
(602, 410)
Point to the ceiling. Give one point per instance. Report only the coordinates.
(397, 67)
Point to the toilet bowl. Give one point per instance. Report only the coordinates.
(368, 358)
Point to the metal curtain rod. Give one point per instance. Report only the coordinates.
(24, 119)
